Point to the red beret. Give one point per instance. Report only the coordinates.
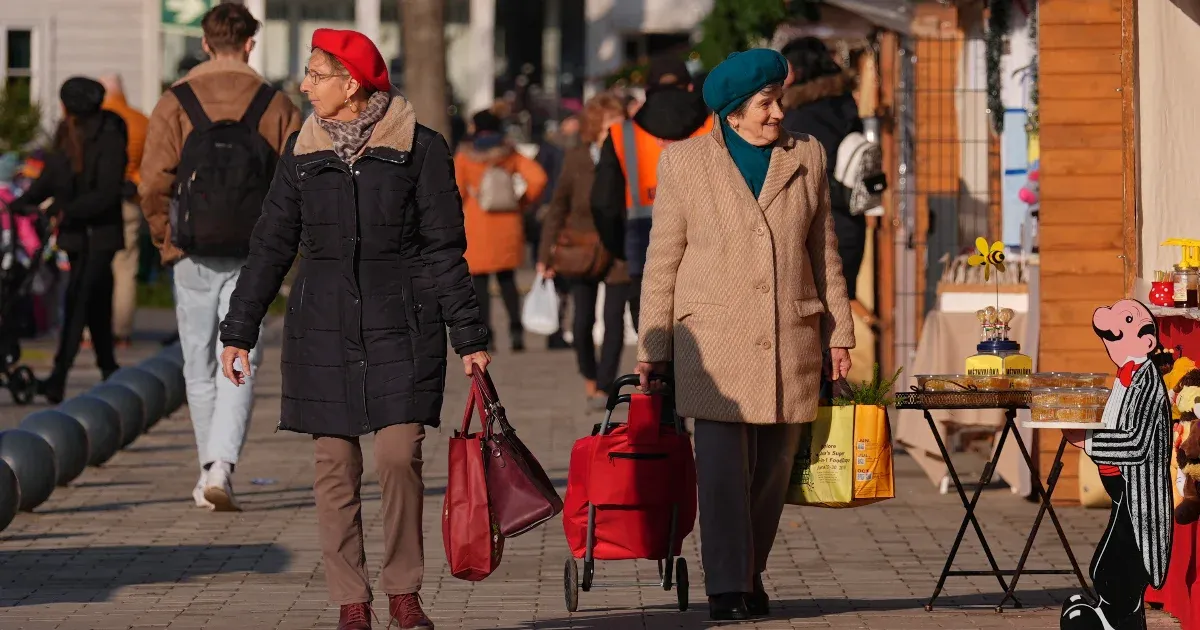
(358, 53)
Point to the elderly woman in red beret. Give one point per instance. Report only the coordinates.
(367, 197)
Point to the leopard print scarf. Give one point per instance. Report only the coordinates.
(350, 136)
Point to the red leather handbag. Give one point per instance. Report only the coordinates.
(522, 495)
(470, 532)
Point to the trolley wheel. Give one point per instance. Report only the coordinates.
(22, 385)
(589, 570)
(681, 583)
(571, 584)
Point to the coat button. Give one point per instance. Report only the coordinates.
(356, 300)
(765, 344)
(762, 288)
(358, 172)
(362, 362)
(759, 230)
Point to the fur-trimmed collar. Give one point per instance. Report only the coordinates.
(394, 131)
(817, 89)
(215, 66)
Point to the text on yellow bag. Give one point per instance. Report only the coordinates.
(844, 459)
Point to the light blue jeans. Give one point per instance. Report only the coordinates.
(220, 410)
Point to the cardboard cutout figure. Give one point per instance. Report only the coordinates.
(1133, 453)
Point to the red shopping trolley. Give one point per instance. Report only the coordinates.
(631, 493)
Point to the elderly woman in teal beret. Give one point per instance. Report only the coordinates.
(742, 292)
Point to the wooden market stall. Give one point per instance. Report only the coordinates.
(1086, 228)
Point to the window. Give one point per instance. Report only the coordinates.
(18, 61)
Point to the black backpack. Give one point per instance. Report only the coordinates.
(225, 171)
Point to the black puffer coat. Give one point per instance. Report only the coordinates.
(381, 276)
(89, 202)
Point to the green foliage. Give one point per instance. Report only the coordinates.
(735, 25)
(873, 393)
(20, 119)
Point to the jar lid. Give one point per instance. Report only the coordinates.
(996, 346)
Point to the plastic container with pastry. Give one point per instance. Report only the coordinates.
(943, 382)
(1068, 397)
(1069, 379)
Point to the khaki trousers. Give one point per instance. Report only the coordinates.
(339, 469)
(125, 268)
(742, 471)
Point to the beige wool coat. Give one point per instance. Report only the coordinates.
(743, 294)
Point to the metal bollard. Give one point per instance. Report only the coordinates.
(129, 408)
(148, 387)
(101, 423)
(66, 438)
(10, 495)
(32, 461)
(171, 376)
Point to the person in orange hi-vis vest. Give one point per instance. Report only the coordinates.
(674, 110)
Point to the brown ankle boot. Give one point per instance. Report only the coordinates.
(406, 611)
(355, 617)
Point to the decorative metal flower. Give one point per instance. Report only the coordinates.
(988, 257)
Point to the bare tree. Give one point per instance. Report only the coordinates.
(423, 31)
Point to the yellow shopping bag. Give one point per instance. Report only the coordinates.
(844, 459)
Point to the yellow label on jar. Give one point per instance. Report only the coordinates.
(985, 365)
(1018, 364)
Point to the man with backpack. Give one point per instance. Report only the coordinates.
(212, 145)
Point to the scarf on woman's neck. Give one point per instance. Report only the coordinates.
(751, 161)
(349, 136)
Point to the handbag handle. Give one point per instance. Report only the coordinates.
(474, 401)
(484, 398)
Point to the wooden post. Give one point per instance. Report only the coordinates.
(885, 242)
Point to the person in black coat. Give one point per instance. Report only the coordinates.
(84, 175)
(367, 196)
(820, 103)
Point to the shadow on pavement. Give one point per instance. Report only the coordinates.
(790, 609)
(88, 574)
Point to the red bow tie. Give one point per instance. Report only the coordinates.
(1126, 373)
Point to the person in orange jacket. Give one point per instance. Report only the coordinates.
(125, 263)
(498, 185)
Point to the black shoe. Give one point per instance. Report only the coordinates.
(556, 342)
(52, 389)
(518, 342)
(106, 374)
(727, 607)
(757, 603)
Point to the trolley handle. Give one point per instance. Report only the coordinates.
(615, 397)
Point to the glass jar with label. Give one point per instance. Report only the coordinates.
(1185, 277)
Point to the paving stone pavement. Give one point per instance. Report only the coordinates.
(123, 547)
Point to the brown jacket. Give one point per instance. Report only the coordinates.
(225, 89)
(571, 207)
(743, 294)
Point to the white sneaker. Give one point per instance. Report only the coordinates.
(198, 491)
(218, 488)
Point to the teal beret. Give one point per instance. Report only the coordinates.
(740, 76)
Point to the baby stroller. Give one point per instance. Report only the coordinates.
(631, 493)
(18, 268)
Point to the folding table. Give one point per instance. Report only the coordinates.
(1009, 401)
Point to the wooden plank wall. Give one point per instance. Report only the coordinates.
(1084, 201)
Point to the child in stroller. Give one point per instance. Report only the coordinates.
(22, 239)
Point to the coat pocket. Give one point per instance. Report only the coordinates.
(293, 322)
(809, 306)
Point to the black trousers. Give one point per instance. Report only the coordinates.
(635, 299)
(89, 303)
(852, 241)
(583, 293)
(1118, 572)
(508, 293)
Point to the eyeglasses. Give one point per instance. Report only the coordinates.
(317, 77)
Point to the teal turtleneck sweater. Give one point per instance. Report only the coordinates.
(751, 161)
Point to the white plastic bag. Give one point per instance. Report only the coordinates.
(539, 315)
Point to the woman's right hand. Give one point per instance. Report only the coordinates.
(646, 370)
(228, 356)
(544, 271)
